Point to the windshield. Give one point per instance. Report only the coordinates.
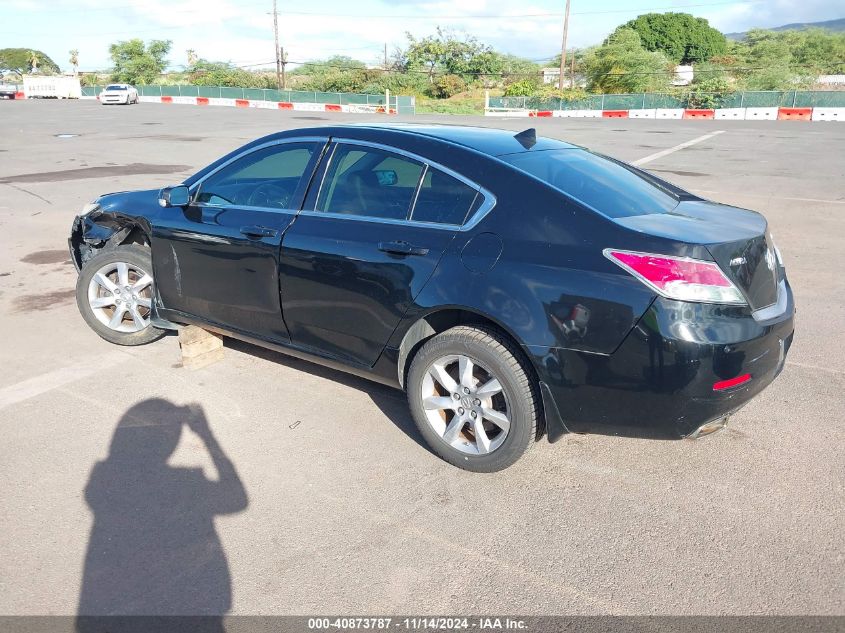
(604, 185)
(116, 87)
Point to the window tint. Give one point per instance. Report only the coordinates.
(443, 199)
(602, 184)
(266, 178)
(369, 182)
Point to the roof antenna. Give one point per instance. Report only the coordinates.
(527, 138)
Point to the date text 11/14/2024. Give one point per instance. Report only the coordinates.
(417, 623)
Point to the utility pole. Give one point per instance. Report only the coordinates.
(563, 44)
(276, 40)
(284, 63)
(572, 72)
(385, 55)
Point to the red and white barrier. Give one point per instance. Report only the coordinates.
(269, 105)
(723, 114)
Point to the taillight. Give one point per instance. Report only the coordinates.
(678, 278)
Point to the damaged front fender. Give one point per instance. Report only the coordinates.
(97, 231)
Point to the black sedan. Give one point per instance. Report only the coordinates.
(515, 286)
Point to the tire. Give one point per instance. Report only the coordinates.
(444, 420)
(133, 326)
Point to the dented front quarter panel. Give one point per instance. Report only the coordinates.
(108, 225)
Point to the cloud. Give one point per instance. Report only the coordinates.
(242, 30)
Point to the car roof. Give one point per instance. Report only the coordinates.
(492, 141)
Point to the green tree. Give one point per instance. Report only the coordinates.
(622, 65)
(206, 73)
(335, 74)
(19, 61)
(135, 63)
(820, 50)
(682, 37)
(516, 69)
(448, 53)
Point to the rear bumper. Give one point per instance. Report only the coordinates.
(659, 382)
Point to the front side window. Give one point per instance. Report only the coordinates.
(608, 187)
(370, 182)
(266, 178)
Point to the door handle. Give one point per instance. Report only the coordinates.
(402, 248)
(258, 231)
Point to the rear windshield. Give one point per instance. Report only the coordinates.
(606, 186)
(115, 87)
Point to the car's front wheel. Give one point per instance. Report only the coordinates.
(473, 398)
(114, 293)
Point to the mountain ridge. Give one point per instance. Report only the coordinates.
(836, 25)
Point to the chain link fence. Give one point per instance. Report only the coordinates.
(403, 105)
(649, 100)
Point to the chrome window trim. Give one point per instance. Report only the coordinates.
(197, 186)
(485, 207)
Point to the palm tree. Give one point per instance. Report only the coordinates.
(74, 61)
(33, 61)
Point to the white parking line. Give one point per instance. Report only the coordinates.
(38, 385)
(672, 150)
(767, 196)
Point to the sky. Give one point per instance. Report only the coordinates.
(241, 31)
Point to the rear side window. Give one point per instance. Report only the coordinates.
(606, 186)
(443, 199)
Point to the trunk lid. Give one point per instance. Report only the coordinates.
(737, 239)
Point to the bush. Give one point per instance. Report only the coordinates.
(522, 88)
(444, 86)
(205, 73)
(708, 88)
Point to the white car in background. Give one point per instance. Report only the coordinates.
(118, 93)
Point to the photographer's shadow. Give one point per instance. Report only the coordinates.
(153, 548)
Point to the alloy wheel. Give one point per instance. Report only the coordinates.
(465, 404)
(120, 296)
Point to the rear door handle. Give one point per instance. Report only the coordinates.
(402, 248)
(258, 231)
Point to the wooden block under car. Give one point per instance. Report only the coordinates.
(199, 347)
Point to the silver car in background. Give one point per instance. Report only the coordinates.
(118, 93)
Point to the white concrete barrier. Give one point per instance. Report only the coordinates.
(592, 113)
(761, 114)
(506, 112)
(568, 114)
(736, 114)
(648, 113)
(669, 113)
(828, 114)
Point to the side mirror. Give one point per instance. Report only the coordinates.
(176, 196)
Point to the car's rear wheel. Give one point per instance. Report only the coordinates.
(473, 398)
(114, 293)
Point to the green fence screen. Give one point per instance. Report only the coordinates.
(767, 99)
(404, 105)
